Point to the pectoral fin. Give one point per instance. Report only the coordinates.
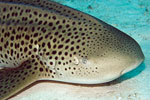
(15, 79)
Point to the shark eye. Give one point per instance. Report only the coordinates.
(76, 60)
(84, 60)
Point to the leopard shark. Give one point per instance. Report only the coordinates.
(44, 40)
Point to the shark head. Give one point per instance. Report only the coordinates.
(106, 54)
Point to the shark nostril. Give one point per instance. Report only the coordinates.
(127, 70)
(123, 72)
(131, 67)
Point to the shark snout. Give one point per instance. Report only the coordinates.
(133, 66)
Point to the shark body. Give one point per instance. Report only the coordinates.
(44, 40)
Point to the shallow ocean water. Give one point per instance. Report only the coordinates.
(133, 18)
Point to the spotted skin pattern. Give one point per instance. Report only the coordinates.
(41, 39)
